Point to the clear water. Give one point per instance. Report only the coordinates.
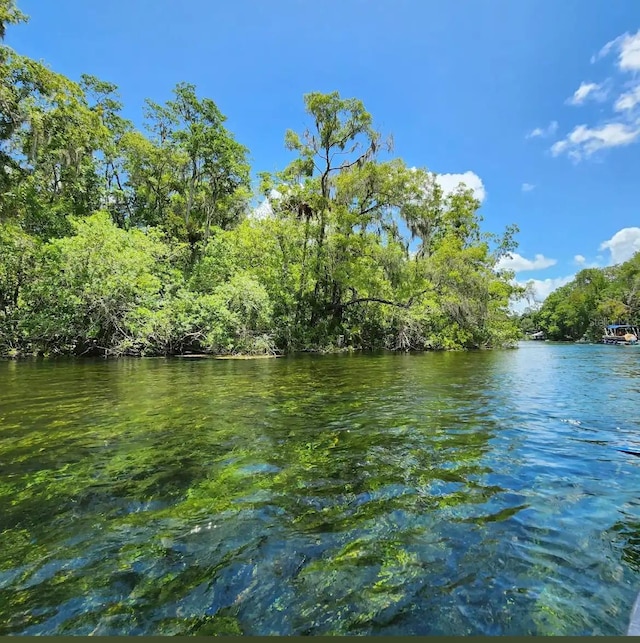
(447, 493)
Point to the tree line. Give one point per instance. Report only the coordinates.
(595, 298)
(144, 241)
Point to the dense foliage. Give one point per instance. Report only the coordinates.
(120, 241)
(582, 308)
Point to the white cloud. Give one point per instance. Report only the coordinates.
(527, 187)
(544, 132)
(588, 90)
(627, 47)
(581, 262)
(628, 100)
(450, 182)
(622, 130)
(583, 141)
(539, 290)
(623, 244)
(629, 59)
(542, 288)
(265, 209)
(518, 263)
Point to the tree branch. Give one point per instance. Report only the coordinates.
(378, 300)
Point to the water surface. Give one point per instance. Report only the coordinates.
(446, 493)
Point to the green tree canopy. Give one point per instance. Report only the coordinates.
(118, 240)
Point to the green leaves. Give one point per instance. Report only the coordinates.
(339, 122)
(9, 15)
(86, 286)
(49, 139)
(595, 298)
(193, 174)
(123, 242)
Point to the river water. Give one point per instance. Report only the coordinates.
(440, 493)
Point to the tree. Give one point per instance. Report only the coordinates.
(596, 297)
(88, 289)
(192, 174)
(350, 203)
(102, 98)
(120, 241)
(49, 138)
(9, 15)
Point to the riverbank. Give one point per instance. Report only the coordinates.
(17, 356)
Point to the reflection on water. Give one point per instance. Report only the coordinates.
(448, 493)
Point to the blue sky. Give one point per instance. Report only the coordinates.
(461, 85)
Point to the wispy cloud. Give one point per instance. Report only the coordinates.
(584, 141)
(518, 263)
(627, 46)
(593, 91)
(628, 100)
(528, 187)
(622, 126)
(544, 132)
(580, 260)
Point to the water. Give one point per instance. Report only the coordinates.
(447, 493)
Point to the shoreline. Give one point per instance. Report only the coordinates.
(240, 356)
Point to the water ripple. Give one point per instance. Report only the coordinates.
(449, 493)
